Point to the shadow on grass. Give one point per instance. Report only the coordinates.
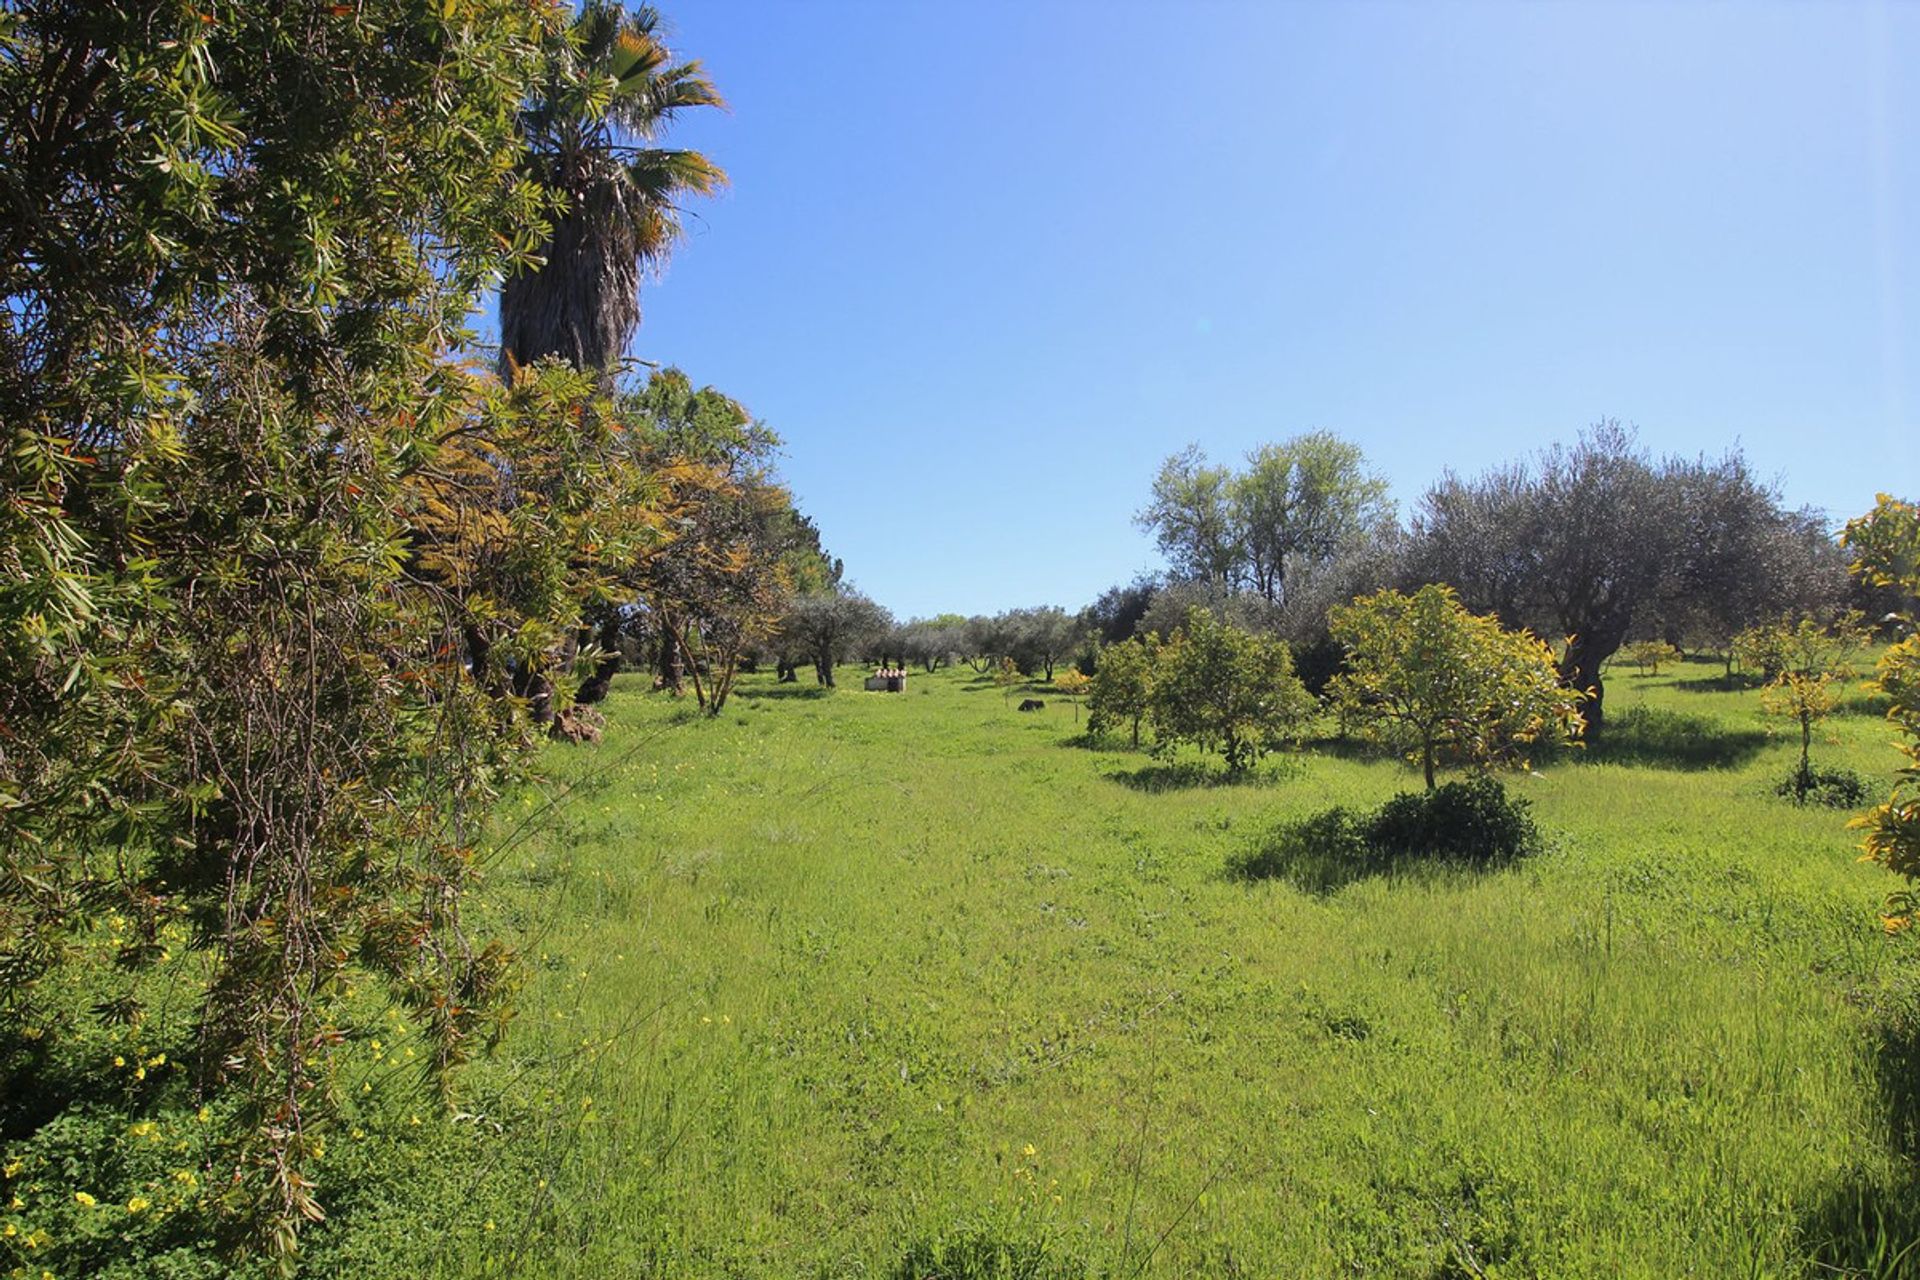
(1322, 875)
(1188, 775)
(1868, 1225)
(1349, 747)
(1660, 739)
(1315, 874)
(782, 691)
(36, 1086)
(1112, 741)
(1865, 702)
(1721, 683)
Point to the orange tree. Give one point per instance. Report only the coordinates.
(1886, 547)
(1808, 659)
(1227, 690)
(1122, 690)
(1428, 678)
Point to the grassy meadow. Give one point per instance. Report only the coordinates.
(848, 984)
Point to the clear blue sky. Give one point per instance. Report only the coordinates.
(983, 265)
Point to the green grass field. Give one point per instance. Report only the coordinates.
(868, 985)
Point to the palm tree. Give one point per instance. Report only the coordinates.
(610, 90)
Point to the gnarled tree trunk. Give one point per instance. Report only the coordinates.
(1580, 670)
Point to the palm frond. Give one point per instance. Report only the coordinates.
(612, 83)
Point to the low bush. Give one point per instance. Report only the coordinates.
(1473, 823)
(1831, 788)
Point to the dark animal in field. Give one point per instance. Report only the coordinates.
(1033, 704)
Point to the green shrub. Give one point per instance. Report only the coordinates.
(1475, 821)
(1832, 788)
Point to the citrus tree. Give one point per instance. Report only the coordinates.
(1650, 655)
(1072, 685)
(1007, 676)
(1809, 659)
(1428, 678)
(1886, 546)
(1122, 691)
(1228, 691)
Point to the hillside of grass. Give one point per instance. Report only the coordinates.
(848, 984)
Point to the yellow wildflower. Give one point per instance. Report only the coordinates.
(1028, 1151)
(84, 1200)
(138, 1203)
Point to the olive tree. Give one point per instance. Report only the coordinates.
(1430, 679)
(931, 642)
(830, 625)
(1595, 541)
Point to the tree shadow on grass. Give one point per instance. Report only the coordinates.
(1656, 738)
(783, 691)
(1864, 702)
(1738, 682)
(1189, 775)
(1868, 1225)
(1348, 747)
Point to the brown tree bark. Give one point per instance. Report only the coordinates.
(596, 686)
(1580, 670)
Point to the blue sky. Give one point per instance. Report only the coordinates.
(983, 266)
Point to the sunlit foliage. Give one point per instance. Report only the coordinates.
(1428, 678)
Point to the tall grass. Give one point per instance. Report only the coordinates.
(913, 985)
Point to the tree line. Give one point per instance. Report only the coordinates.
(1591, 544)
